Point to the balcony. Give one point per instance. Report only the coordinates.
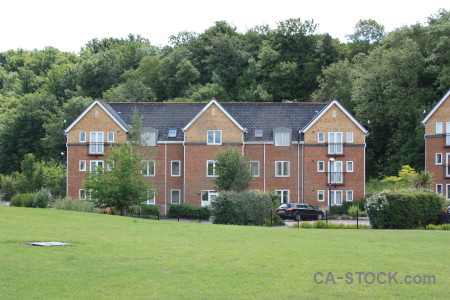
(336, 178)
(336, 149)
(96, 148)
(447, 140)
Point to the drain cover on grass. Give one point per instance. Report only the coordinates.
(48, 244)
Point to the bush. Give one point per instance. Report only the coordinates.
(189, 211)
(149, 210)
(23, 200)
(76, 205)
(404, 209)
(244, 208)
(343, 209)
(42, 198)
(438, 227)
(354, 211)
(7, 187)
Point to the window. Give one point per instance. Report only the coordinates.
(438, 127)
(282, 169)
(349, 196)
(349, 166)
(447, 136)
(208, 196)
(175, 196)
(214, 137)
(254, 168)
(321, 166)
(335, 172)
(447, 186)
(439, 189)
(148, 167)
(82, 194)
(282, 137)
(176, 168)
(211, 168)
(151, 197)
(349, 137)
(82, 136)
(96, 142)
(149, 136)
(335, 143)
(258, 133)
(336, 197)
(94, 164)
(284, 195)
(172, 133)
(110, 137)
(82, 166)
(320, 196)
(438, 158)
(321, 137)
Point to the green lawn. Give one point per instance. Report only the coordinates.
(119, 257)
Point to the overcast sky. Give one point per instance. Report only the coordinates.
(69, 25)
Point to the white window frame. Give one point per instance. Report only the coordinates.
(335, 144)
(97, 164)
(447, 189)
(438, 159)
(282, 138)
(96, 142)
(179, 168)
(320, 195)
(439, 128)
(216, 140)
(349, 196)
(210, 195)
(349, 137)
(321, 137)
(147, 171)
(152, 200)
(349, 166)
(213, 162)
(284, 194)
(334, 197)
(257, 168)
(82, 165)
(82, 136)
(335, 174)
(447, 135)
(149, 138)
(81, 194)
(179, 196)
(280, 168)
(320, 166)
(439, 189)
(110, 136)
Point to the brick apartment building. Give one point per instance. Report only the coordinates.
(306, 152)
(437, 145)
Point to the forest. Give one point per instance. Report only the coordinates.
(387, 80)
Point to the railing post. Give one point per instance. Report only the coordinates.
(178, 215)
(158, 214)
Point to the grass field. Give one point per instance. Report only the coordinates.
(118, 257)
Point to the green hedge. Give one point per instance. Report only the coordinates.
(22, 199)
(324, 225)
(404, 209)
(244, 208)
(149, 210)
(189, 211)
(343, 209)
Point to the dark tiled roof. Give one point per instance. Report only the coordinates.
(252, 116)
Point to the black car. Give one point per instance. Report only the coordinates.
(299, 211)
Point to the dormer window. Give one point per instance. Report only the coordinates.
(282, 136)
(214, 137)
(149, 136)
(259, 133)
(172, 133)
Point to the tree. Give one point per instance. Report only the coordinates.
(232, 170)
(120, 185)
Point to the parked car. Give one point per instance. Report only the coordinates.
(299, 211)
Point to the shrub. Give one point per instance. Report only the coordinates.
(353, 211)
(404, 209)
(324, 225)
(149, 210)
(22, 199)
(243, 208)
(189, 211)
(438, 227)
(7, 187)
(343, 209)
(42, 198)
(76, 205)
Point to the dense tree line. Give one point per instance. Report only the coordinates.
(387, 80)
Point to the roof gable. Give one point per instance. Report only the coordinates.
(436, 107)
(325, 109)
(206, 108)
(108, 110)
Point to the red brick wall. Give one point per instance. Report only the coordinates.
(436, 145)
